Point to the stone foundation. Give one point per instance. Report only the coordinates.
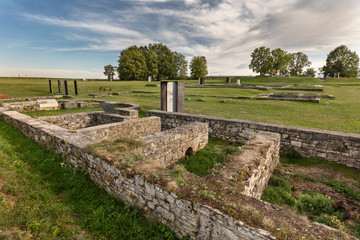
(253, 166)
(128, 108)
(128, 129)
(184, 216)
(83, 120)
(342, 148)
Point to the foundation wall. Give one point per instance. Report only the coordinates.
(128, 129)
(183, 216)
(342, 148)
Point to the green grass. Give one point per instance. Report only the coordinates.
(42, 197)
(316, 206)
(340, 114)
(204, 160)
(298, 160)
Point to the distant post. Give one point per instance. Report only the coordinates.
(65, 88)
(201, 81)
(75, 87)
(228, 80)
(59, 86)
(50, 86)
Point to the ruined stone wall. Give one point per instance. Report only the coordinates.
(128, 109)
(22, 106)
(183, 216)
(130, 113)
(128, 129)
(342, 148)
(82, 120)
(169, 146)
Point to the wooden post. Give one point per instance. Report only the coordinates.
(50, 86)
(59, 86)
(65, 88)
(76, 89)
(181, 97)
(163, 93)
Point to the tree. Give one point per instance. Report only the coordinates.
(181, 66)
(165, 60)
(109, 71)
(299, 61)
(198, 67)
(132, 64)
(342, 60)
(280, 60)
(261, 60)
(310, 72)
(151, 61)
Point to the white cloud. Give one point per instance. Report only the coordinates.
(225, 31)
(53, 73)
(100, 27)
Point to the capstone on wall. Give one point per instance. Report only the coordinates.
(342, 148)
(167, 147)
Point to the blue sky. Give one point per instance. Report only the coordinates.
(76, 38)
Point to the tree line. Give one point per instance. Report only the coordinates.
(159, 62)
(156, 61)
(340, 61)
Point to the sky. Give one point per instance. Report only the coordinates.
(77, 38)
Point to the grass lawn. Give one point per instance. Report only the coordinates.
(341, 114)
(42, 197)
(324, 191)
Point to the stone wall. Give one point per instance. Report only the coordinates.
(22, 106)
(183, 216)
(252, 167)
(30, 98)
(83, 120)
(130, 113)
(128, 129)
(127, 110)
(167, 147)
(342, 148)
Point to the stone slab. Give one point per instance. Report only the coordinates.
(47, 104)
(108, 108)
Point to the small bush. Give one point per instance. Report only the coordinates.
(315, 205)
(278, 192)
(278, 196)
(341, 188)
(293, 154)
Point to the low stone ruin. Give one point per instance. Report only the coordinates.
(291, 97)
(148, 176)
(315, 98)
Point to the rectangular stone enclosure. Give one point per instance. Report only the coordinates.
(83, 120)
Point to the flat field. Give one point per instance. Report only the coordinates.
(339, 114)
